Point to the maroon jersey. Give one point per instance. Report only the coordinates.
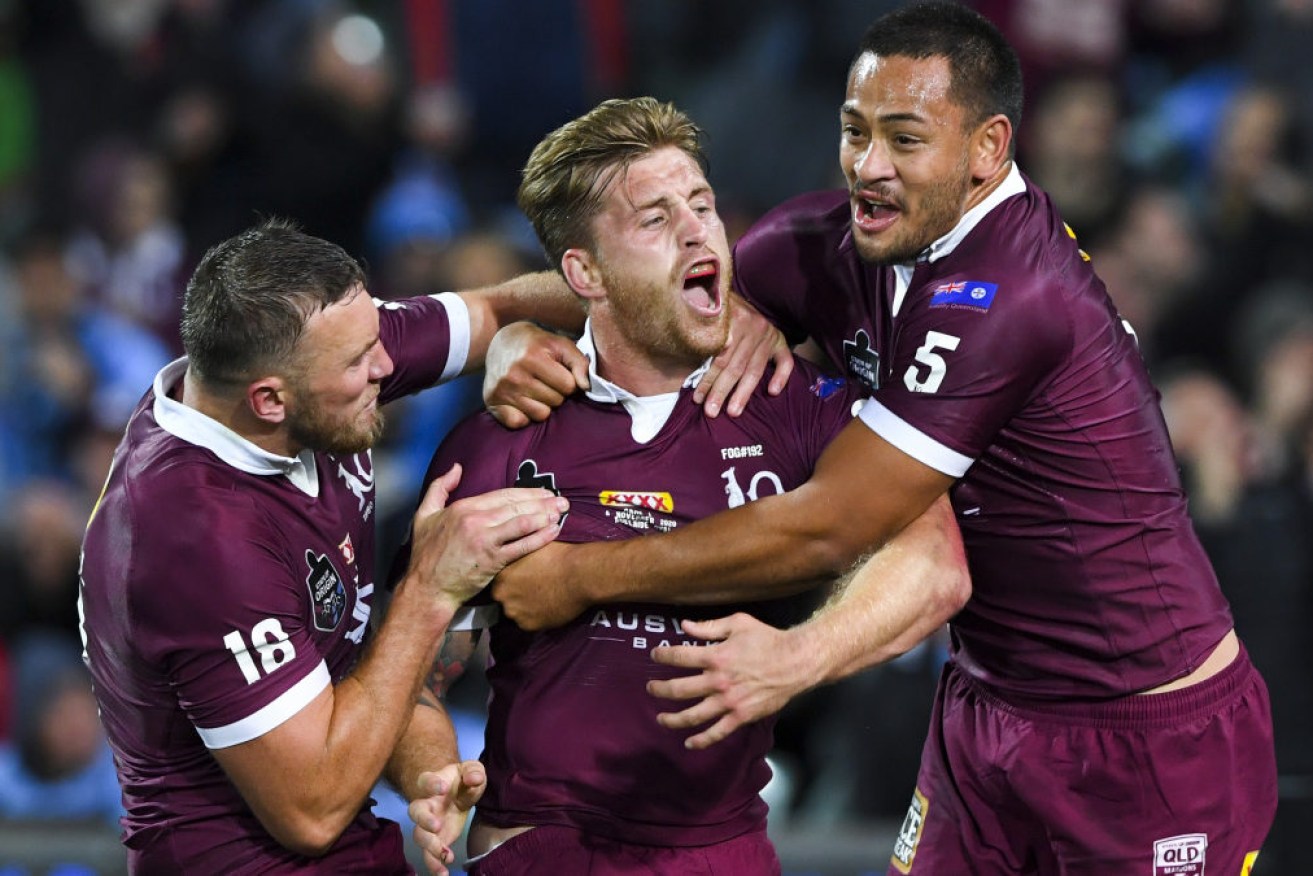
(999, 359)
(223, 588)
(572, 737)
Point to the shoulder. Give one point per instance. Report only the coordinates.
(812, 216)
(482, 446)
(812, 400)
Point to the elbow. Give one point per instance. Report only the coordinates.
(952, 589)
(307, 835)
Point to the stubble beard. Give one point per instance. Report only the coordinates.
(940, 210)
(318, 432)
(661, 328)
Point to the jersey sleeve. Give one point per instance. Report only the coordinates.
(428, 339)
(230, 631)
(776, 259)
(968, 355)
(476, 443)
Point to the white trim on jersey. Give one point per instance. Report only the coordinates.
(458, 318)
(288, 703)
(912, 441)
(189, 424)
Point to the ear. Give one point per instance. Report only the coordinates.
(267, 398)
(990, 147)
(582, 274)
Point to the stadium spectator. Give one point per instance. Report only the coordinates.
(66, 364)
(58, 768)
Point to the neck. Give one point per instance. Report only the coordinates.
(635, 371)
(231, 409)
(978, 194)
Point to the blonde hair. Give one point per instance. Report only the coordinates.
(562, 183)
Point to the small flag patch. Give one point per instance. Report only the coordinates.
(964, 293)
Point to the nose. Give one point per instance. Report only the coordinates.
(380, 363)
(692, 226)
(873, 164)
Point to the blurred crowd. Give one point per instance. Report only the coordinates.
(1176, 136)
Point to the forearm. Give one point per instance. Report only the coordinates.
(375, 705)
(862, 494)
(898, 597)
(428, 744)
(762, 550)
(542, 297)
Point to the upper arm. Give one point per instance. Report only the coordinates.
(270, 769)
(958, 374)
(232, 635)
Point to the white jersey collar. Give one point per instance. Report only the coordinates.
(192, 426)
(648, 412)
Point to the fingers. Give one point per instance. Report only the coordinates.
(686, 687)
(783, 359)
(718, 382)
(578, 365)
(734, 374)
(435, 497)
(529, 372)
(473, 782)
(717, 732)
(508, 416)
(458, 549)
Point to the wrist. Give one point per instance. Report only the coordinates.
(810, 644)
(428, 610)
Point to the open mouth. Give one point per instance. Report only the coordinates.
(873, 214)
(702, 288)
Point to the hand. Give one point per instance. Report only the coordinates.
(739, 368)
(529, 371)
(748, 674)
(455, 551)
(440, 817)
(536, 593)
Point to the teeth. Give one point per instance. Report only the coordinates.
(701, 270)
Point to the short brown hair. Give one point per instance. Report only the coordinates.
(563, 181)
(249, 299)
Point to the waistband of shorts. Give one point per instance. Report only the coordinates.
(1132, 710)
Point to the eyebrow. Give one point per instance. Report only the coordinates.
(888, 118)
(368, 346)
(663, 200)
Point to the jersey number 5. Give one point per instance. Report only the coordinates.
(926, 355)
(271, 643)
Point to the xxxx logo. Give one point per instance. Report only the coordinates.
(651, 501)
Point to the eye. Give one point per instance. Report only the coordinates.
(653, 221)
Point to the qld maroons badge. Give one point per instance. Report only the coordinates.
(327, 592)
